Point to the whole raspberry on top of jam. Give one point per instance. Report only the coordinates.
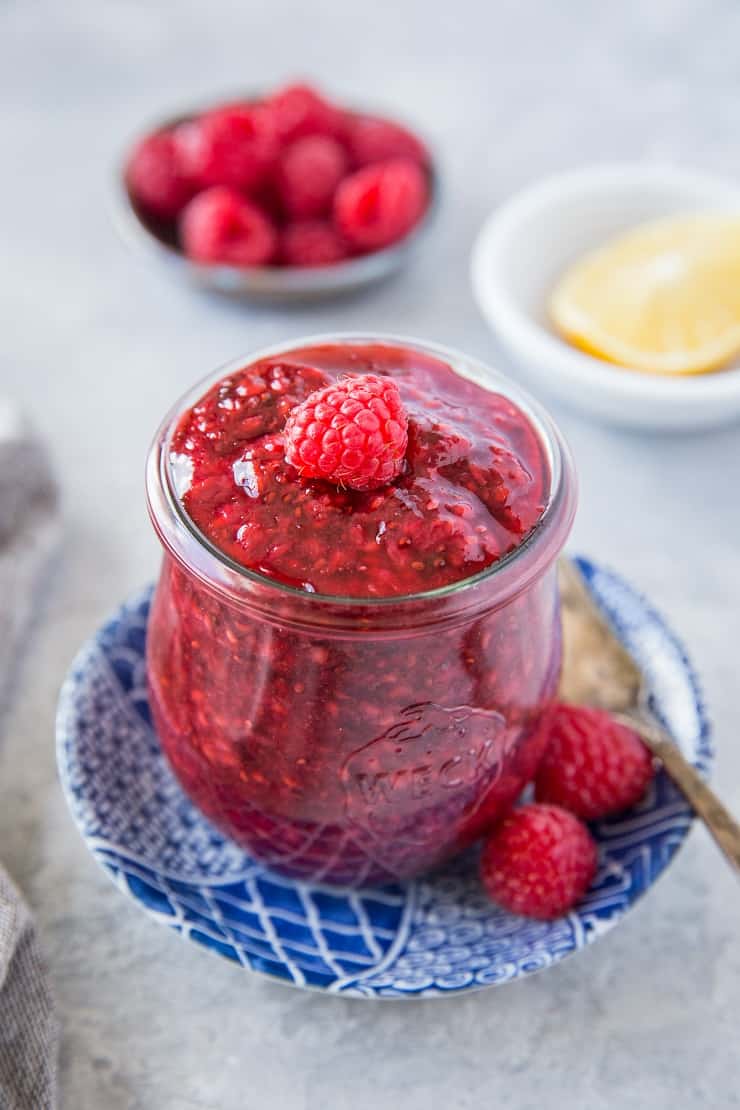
(352, 433)
(593, 765)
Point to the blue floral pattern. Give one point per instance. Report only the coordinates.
(428, 937)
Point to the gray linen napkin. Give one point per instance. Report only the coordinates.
(28, 533)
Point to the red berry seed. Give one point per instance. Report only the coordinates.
(311, 243)
(593, 766)
(155, 175)
(219, 225)
(539, 861)
(236, 145)
(353, 433)
(308, 173)
(371, 139)
(378, 205)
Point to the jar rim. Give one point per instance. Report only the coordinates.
(175, 528)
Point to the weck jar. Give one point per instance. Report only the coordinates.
(346, 737)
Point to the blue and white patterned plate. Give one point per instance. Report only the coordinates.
(429, 937)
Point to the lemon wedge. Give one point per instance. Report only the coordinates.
(663, 298)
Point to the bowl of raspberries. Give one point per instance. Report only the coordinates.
(288, 195)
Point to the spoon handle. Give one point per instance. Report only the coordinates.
(720, 822)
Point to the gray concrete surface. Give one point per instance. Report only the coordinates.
(96, 344)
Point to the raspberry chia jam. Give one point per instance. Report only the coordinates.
(351, 682)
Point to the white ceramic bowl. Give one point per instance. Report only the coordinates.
(526, 244)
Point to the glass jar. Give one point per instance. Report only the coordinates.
(353, 741)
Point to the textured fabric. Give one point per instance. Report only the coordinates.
(28, 1028)
(28, 529)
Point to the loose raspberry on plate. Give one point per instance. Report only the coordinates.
(539, 861)
(378, 205)
(308, 173)
(353, 433)
(371, 139)
(219, 225)
(155, 175)
(235, 145)
(593, 766)
(311, 243)
(300, 110)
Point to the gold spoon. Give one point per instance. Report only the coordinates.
(598, 670)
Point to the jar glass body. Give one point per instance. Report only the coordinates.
(354, 741)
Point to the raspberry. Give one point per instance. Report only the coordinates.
(593, 766)
(308, 173)
(155, 176)
(371, 139)
(312, 243)
(236, 145)
(299, 110)
(380, 204)
(352, 433)
(539, 861)
(219, 225)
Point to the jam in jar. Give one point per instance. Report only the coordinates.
(353, 683)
